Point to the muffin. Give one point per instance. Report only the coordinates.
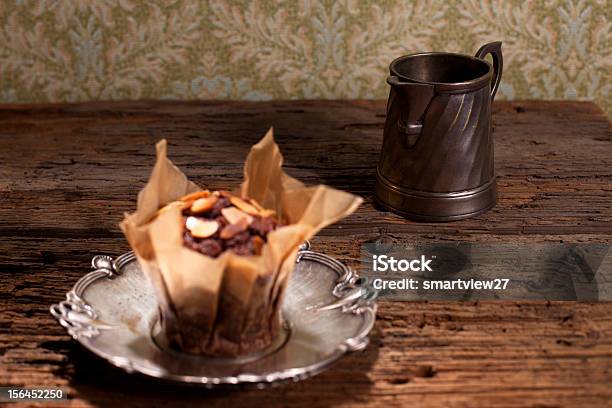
(220, 261)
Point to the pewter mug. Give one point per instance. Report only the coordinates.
(436, 162)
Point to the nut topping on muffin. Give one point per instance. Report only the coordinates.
(218, 221)
(203, 204)
(200, 228)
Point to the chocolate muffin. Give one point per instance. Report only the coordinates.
(220, 263)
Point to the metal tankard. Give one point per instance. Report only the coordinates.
(436, 162)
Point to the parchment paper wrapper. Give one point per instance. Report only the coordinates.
(228, 305)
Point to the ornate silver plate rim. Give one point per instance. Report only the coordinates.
(352, 296)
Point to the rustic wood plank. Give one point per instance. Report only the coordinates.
(69, 171)
(551, 162)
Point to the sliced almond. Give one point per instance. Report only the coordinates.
(200, 228)
(255, 204)
(232, 229)
(261, 211)
(243, 205)
(194, 196)
(191, 222)
(267, 213)
(234, 215)
(203, 204)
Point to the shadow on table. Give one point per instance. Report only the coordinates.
(100, 384)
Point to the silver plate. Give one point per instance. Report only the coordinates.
(327, 313)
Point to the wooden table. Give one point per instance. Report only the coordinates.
(70, 171)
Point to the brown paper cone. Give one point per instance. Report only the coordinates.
(227, 305)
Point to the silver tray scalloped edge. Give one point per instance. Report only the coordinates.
(328, 313)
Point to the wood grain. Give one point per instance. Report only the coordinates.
(68, 172)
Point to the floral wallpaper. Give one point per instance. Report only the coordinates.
(77, 50)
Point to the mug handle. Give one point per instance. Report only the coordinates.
(494, 49)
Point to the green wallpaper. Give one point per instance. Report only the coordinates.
(77, 50)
